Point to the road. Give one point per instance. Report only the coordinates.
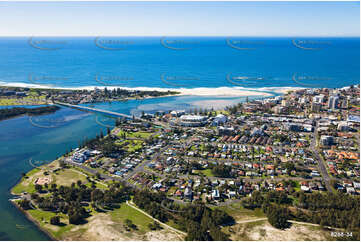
(321, 165)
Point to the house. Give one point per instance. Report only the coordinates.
(231, 194)
(188, 193)
(219, 119)
(215, 194)
(178, 193)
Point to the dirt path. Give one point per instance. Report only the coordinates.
(310, 224)
(163, 224)
(291, 221)
(251, 220)
(81, 173)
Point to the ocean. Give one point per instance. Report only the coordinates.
(180, 62)
(261, 64)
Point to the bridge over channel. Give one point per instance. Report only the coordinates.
(97, 110)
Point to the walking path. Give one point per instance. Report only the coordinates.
(81, 173)
(291, 221)
(163, 224)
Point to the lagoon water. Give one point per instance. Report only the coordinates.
(250, 63)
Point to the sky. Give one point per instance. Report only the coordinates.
(180, 19)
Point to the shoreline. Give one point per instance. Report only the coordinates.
(235, 91)
(34, 221)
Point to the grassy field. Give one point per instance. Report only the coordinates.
(240, 213)
(131, 145)
(66, 177)
(43, 218)
(29, 100)
(115, 217)
(206, 172)
(63, 177)
(127, 212)
(26, 184)
(139, 134)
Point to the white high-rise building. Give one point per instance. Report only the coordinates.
(332, 102)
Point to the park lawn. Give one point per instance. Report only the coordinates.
(63, 177)
(127, 212)
(21, 187)
(26, 184)
(134, 145)
(174, 225)
(139, 134)
(206, 172)
(297, 187)
(43, 218)
(66, 177)
(171, 191)
(239, 213)
(29, 100)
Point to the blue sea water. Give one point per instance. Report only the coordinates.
(181, 62)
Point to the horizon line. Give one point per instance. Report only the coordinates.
(163, 36)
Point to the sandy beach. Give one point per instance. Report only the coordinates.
(201, 91)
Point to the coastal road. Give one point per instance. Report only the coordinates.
(321, 165)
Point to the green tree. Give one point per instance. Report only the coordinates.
(278, 216)
(55, 220)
